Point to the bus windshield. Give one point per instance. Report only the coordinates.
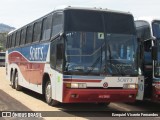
(95, 43)
(156, 29)
(157, 62)
(156, 33)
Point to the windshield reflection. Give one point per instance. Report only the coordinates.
(89, 53)
(121, 54)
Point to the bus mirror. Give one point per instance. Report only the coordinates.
(154, 53)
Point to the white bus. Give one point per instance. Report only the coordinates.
(148, 31)
(76, 55)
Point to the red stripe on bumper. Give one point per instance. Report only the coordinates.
(94, 95)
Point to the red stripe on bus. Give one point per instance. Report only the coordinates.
(81, 80)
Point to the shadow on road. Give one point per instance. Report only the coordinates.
(9, 104)
(146, 105)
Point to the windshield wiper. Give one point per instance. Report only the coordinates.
(96, 62)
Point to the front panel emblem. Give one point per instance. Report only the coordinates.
(105, 85)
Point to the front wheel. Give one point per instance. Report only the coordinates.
(48, 95)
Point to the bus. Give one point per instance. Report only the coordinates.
(148, 33)
(76, 55)
(2, 59)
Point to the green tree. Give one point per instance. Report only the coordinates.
(3, 39)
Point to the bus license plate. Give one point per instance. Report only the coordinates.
(104, 96)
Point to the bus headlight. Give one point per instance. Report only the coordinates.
(76, 85)
(130, 86)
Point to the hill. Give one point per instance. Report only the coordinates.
(5, 28)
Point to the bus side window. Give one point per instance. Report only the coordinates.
(29, 34)
(23, 36)
(53, 55)
(17, 38)
(57, 24)
(13, 39)
(9, 41)
(37, 31)
(59, 54)
(46, 28)
(56, 55)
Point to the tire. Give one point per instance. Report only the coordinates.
(48, 95)
(12, 81)
(16, 81)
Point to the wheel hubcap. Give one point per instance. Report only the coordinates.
(48, 93)
(16, 81)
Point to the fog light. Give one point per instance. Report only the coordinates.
(74, 96)
(130, 96)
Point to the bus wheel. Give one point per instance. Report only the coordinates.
(48, 95)
(17, 86)
(12, 81)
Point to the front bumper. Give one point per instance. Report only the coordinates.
(98, 95)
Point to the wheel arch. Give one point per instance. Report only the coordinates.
(45, 79)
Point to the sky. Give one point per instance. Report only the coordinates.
(17, 13)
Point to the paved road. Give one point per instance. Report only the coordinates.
(26, 100)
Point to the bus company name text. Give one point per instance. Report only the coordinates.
(36, 53)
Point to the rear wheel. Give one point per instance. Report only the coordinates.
(16, 81)
(48, 95)
(12, 81)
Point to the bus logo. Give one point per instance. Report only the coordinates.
(36, 53)
(105, 85)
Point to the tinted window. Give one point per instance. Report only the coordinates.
(23, 36)
(37, 31)
(46, 29)
(156, 29)
(56, 56)
(59, 55)
(119, 23)
(81, 20)
(29, 34)
(143, 30)
(53, 55)
(13, 39)
(57, 25)
(9, 41)
(17, 38)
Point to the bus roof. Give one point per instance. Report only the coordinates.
(64, 7)
(148, 19)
